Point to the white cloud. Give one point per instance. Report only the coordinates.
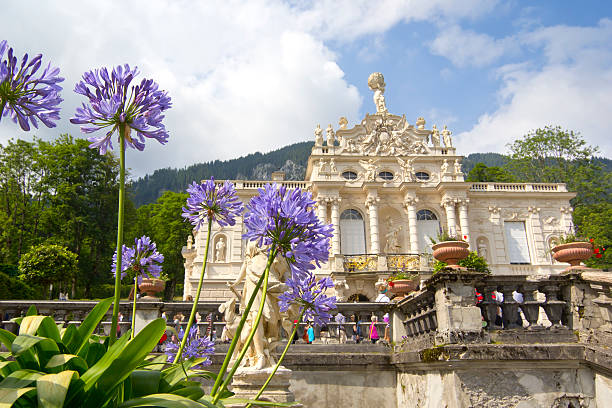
(571, 89)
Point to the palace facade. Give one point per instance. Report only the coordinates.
(386, 186)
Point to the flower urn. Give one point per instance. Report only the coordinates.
(451, 252)
(401, 287)
(151, 287)
(573, 253)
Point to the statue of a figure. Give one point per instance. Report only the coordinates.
(420, 123)
(370, 168)
(435, 136)
(481, 249)
(318, 136)
(393, 245)
(189, 242)
(267, 334)
(446, 137)
(331, 136)
(220, 250)
(457, 166)
(342, 122)
(332, 166)
(376, 82)
(408, 168)
(444, 167)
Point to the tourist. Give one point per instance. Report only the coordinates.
(310, 333)
(382, 296)
(119, 320)
(324, 333)
(373, 332)
(294, 336)
(387, 328)
(358, 331)
(341, 320)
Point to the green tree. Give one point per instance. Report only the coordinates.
(595, 221)
(48, 264)
(481, 173)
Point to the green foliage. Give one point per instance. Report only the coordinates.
(46, 264)
(402, 275)
(444, 235)
(595, 221)
(482, 173)
(473, 262)
(14, 288)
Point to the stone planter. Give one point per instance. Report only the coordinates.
(573, 253)
(151, 287)
(401, 287)
(451, 252)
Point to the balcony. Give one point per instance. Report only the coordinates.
(360, 263)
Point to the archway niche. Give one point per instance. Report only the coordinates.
(358, 297)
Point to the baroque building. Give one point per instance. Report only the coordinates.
(387, 186)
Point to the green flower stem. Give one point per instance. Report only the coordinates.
(218, 387)
(134, 307)
(2, 105)
(122, 134)
(179, 353)
(280, 360)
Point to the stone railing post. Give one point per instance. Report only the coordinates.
(146, 312)
(459, 319)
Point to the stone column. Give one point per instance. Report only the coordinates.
(322, 208)
(372, 205)
(335, 219)
(410, 206)
(449, 206)
(463, 218)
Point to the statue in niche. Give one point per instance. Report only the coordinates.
(392, 245)
(189, 242)
(342, 122)
(481, 249)
(420, 123)
(370, 168)
(446, 136)
(267, 334)
(331, 136)
(220, 250)
(318, 136)
(376, 82)
(457, 166)
(332, 166)
(323, 167)
(407, 167)
(444, 167)
(435, 136)
(351, 147)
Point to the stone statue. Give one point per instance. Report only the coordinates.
(376, 82)
(220, 250)
(393, 245)
(342, 122)
(435, 136)
(332, 166)
(267, 334)
(189, 242)
(331, 136)
(420, 123)
(370, 168)
(444, 167)
(318, 136)
(481, 249)
(457, 166)
(446, 137)
(407, 168)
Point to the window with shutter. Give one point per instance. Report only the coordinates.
(516, 241)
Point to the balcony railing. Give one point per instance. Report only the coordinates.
(518, 187)
(387, 262)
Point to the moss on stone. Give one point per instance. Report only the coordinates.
(431, 354)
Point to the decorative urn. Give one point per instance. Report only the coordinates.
(401, 287)
(573, 252)
(151, 287)
(451, 252)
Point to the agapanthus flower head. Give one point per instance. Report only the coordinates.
(308, 294)
(210, 200)
(195, 347)
(141, 260)
(27, 95)
(286, 220)
(113, 104)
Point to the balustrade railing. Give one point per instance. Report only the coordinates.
(387, 262)
(518, 187)
(419, 311)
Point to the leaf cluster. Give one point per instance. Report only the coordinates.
(473, 262)
(47, 263)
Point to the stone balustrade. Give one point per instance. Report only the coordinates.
(518, 187)
(387, 262)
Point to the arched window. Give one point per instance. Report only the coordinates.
(349, 175)
(427, 226)
(386, 175)
(421, 175)
(352, 233)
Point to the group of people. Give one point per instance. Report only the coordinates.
(356, 328)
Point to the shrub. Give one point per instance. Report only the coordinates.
(473, 262)
(13, 288)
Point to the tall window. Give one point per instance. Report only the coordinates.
(516, 241)
(427, 226)
(352, 233)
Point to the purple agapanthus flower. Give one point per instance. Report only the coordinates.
(308, 293)
(25, 96)
(286, 219)
(209, 200)
(113, 104)
(140, 260)
(195, 347)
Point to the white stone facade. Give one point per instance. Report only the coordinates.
(386, 185)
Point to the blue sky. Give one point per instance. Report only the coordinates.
(258, 75)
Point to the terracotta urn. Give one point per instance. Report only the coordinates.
(151, 287)
(451, 252)
(401, 287)
(573, 253)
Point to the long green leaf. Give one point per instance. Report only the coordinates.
(70, 337)
(164, 400)
(7, 338)
(8, 396)
(193, 392)
(90, 323)
(45, 347)
(51, 389)
(233, 400)
(7, 367)
(145, 382)
(58, 361)
(15, 385)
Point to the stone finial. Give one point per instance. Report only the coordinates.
(420, 123)
(318, 136)
(342, 122)
(376, 82)
(331, 135)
